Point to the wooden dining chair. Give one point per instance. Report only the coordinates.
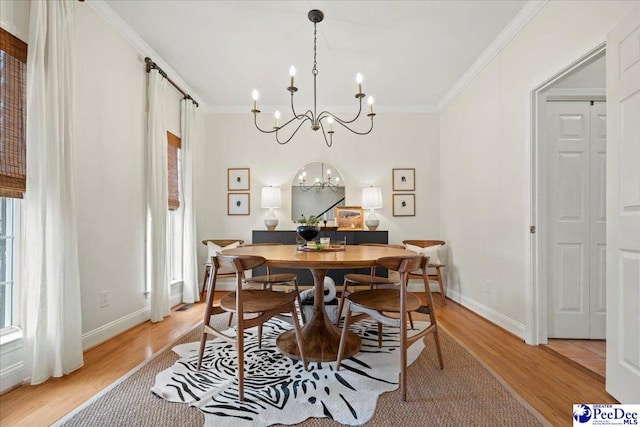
(434, 264)
(391, 307)
(267, 281)
(369, 281)
(208, 265)
(253, 307)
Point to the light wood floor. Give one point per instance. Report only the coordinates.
(548, 382)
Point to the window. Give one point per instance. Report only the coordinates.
(8, 228)
(174, 220)
(173, 148)
(13, 76)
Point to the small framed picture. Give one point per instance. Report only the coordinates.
(404, 179)
(238, 204)
(404, 205)
(238, 179)
(349, 218)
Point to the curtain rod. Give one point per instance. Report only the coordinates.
(153, 66)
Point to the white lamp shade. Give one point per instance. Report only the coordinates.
(372, 198)
(271, 197)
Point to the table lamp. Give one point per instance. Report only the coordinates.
(372, 199)
(271, 200)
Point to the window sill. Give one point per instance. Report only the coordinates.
(10, 339)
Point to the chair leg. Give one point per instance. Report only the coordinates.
(230, 319)
(403, 358)
(343, 337)
(441, 285)
(203, 342)
(240, 344)
(438, 350)
(207, 272)
(296, 326)
(410, 320)
(379, 335)
(260, 335)
(295, 286)
(341, 302)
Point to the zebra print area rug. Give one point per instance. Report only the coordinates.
(277, 388)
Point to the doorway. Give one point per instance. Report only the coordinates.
(574, 150)
(566, 99)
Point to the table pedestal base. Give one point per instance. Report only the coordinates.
(320, 341)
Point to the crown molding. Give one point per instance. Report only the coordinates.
(136, 42)
(336, 109)
(523, 17)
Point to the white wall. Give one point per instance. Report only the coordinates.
(591, 76)
(110, 174)
(397, 141)
(484, 153)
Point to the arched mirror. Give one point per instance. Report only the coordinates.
(317, 189)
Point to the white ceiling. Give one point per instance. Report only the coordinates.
(411, 53)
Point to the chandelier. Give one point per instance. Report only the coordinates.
(325, 119)
(320, 183)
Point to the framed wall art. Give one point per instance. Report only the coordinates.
(404, 205)
(349, 218)
(238, 179)
(404, 179)
(238, 203)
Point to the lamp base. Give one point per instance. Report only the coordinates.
(271, 224)
(372, 224)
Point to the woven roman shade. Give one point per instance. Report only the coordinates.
(174, 193)
(13, 113)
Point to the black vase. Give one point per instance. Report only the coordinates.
(308, 232)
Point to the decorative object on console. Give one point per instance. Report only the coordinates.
(372, 200)
(238, 179)
(404, 205)
(271, 200)
(404, 179)
(349, 218)
(238, 204)
(308, 228)
(316, 119)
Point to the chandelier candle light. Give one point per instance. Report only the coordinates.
(271, 200)
(317, 120)
(372, 200)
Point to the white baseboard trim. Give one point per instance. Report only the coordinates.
(111, 329)
(118, 326)
(11, 376)
(489, 313)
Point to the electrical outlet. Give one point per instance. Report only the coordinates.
(104, 299)
(487, 286)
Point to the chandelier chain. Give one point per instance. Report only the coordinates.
(315, 49)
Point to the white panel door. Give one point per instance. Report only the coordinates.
(598, 223)
(568, 218)
(623, 210)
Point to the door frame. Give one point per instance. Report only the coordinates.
(536, 299)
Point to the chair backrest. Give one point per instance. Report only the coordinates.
(222, 242)
(401, 264)
(424, 243)
(225, 264)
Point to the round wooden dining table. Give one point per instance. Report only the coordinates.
(321, 337)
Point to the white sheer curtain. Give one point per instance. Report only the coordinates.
(157, 199)
(190, 138)
(51, 312)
